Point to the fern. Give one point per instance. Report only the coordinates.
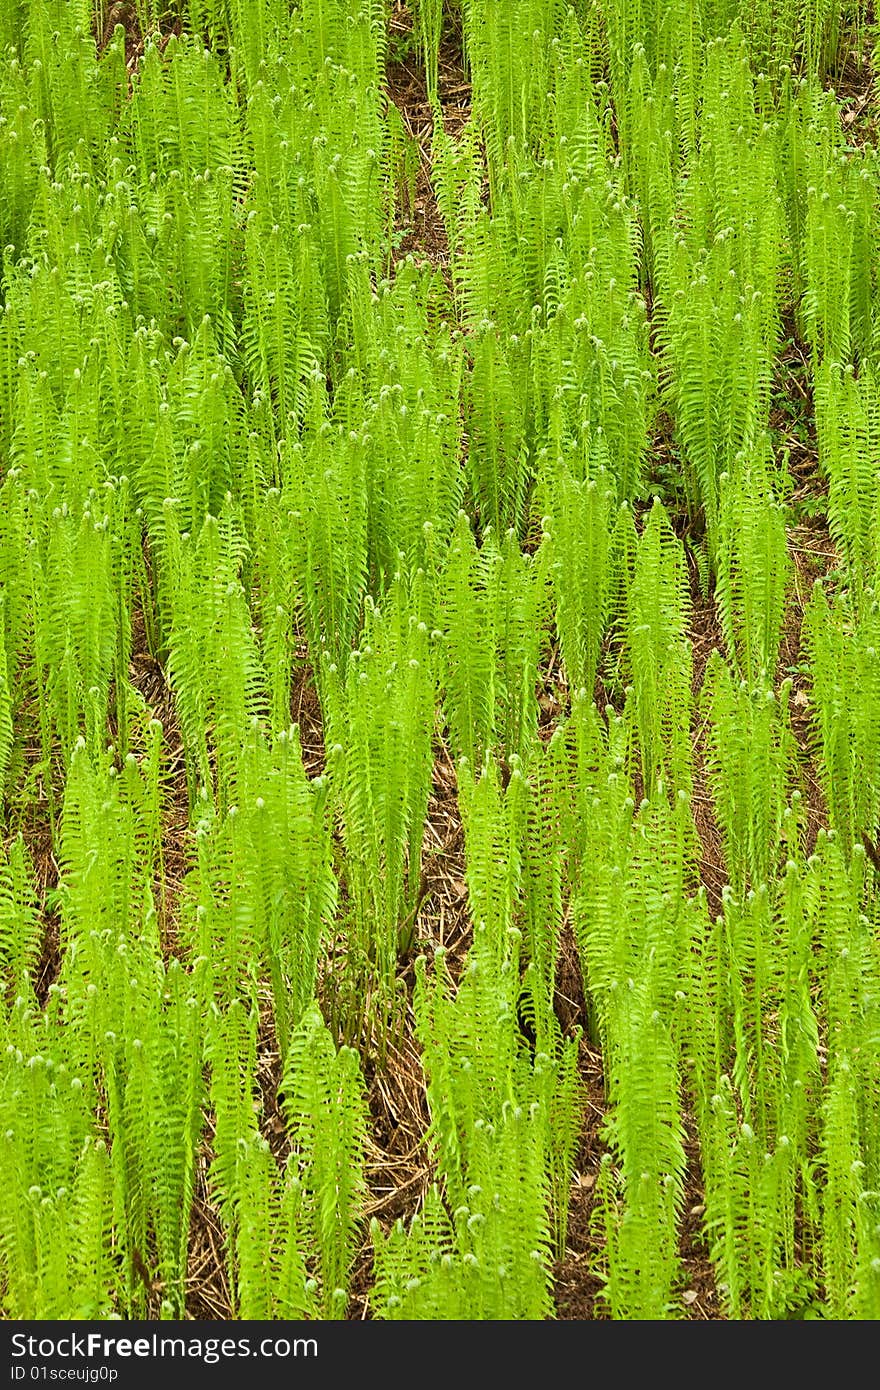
(843, 666)
(751, 766)
(659, 659)
(20, 926)
(578, 530)
(638, 878)
(380, 724)
(752, 573)
(326, 1114)
(847, 427)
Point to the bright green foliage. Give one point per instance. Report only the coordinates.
(493, 820)
(260, 1203)
(578, 537)
(753, 1093)
(848, 426)
(504, 1121)
(283, 1222)
(658, 656)
(273, 1279)
(325, 1108)
(845, 668)
(765, 1105)
(499, 463)
(508, 53)
(379, 726)
(546, 276)
(323, 544)
(713, 217)
(125, 1031)
(543, 880)
(494, 605)
(360, 675)
(265, 889)
(75, 599)
(57, 1211)
(403, 393)
(468, 667)
(214, 667)
(675, 33)
(837, 197)
(634, 930)
(517, 597)
(492, 1115)
(751, 760)
(20, 927)
(850, 1241)
(752, 574)
(500, 1250)
(419, 1271)
(139, 1021)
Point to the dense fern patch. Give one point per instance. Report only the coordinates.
(439, 683)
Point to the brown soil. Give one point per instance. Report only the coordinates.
(122, 12)
(305, 711)
(855, 81)
(420, 228)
